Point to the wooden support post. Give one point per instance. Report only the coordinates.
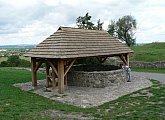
(34, 72)
(53, 79)
(47, 75)
(61, 76)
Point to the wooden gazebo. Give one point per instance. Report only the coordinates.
(68, 44)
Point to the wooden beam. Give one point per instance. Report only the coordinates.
(68, 68)
(103, 59)
(53, 67)
(61, 76)
(123, 59)
(34, 73)
(38, 65)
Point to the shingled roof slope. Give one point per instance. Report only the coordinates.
(69, 42)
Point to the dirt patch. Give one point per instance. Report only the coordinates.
(66, 116)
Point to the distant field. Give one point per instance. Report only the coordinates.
(3, 59)
(149, 52)
(21, 57)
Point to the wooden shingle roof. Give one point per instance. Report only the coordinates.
(69, 42)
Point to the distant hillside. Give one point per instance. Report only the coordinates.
(149, 52)
(17, 46)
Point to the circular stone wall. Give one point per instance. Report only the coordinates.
(98, 76)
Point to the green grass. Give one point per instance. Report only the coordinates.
(3, 59)
(151, 70)
(16, 104)
(149, 52)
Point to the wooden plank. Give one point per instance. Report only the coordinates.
(61, 76)
(68, 68)
(34, 73)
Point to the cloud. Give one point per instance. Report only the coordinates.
(31, 21)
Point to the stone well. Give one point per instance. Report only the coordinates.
(97, 76)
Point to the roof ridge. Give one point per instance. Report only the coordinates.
(80, 29)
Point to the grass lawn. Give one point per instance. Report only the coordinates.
(15, 104)
(149, 52)
(151, 70)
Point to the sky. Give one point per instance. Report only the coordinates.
(31, 21)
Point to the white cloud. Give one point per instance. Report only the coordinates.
(31, 21)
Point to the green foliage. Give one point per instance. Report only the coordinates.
(86, 23)
(99, 25)
(88, 61)
(149, 52)
(15, 61)
(151, 70)
(123, 29)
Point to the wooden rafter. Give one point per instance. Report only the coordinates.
(68, 68)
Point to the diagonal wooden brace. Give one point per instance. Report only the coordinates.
(68, 68)
(123, 59)
(53, 67)
(38, 65)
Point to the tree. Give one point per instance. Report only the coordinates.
(123, 29)
(84, 22)
(13, 61)
(99, 25)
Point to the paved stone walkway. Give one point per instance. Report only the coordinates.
(86, 96)
(156, 76)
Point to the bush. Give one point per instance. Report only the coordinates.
(4, 64)
(13, 61)
(88, 61)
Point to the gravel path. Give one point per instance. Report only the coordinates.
(156, 76)
(86, 96)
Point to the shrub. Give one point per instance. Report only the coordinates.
(88, 61)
